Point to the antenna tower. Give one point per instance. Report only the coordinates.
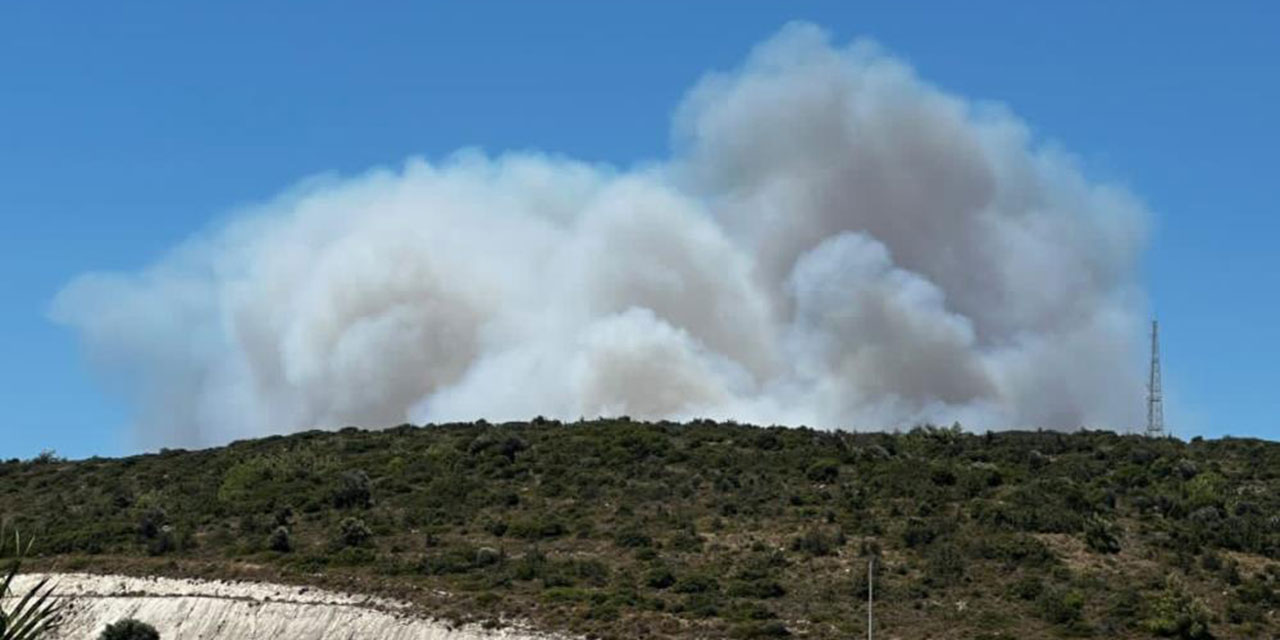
(1155, 399)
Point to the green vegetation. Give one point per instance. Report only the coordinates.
(129, 629)
(623, 530)
(30, 615)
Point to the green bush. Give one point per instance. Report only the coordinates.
(945, 564)
(815, 543)
(697, 583)
(353, 532)
(1061, 607)
(279, 540)
(1176, 614)
(631, 537)
(129, 629)
(770, 629)
(1027, 587)
(825, 470)
(1100, 535)
(354, 490)
(659, 578)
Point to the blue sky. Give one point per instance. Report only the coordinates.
(127, 126)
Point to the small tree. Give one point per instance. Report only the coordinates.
(36, 613)
(129, 629)
(279, 540)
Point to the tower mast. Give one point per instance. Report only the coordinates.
(1155, 400)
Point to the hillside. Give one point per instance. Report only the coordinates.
(623, 530)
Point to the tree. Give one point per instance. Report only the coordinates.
(37, 611)
(129, 629)
(354, 490)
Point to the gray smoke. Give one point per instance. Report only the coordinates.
(834, 243)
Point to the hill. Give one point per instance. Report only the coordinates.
(620, 529)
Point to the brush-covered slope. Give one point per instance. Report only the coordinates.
(627, 530)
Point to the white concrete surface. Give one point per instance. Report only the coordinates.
(209, 610)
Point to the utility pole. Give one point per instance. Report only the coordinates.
(1155, 400)
(871, 588)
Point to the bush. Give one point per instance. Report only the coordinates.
(1015, 550)
(151, 522)
(129, 629)
(353, 532)
(632, 538)
(815, 543)
(1100, 535)
(162, 543)
(487, 557)
(697, 583)
(771, 629)
(354, 490)
(1027, 588)
(659, 578)
(535, 528)
(1175, 614)
(944, 565)
(758, 589)
(279, 540)
(825, 470)
(919, 532)
(1063, 608)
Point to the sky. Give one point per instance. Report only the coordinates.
(126, 127)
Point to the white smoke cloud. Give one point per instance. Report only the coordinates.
(834, 242)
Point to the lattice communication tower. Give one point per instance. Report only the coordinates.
(1155, 399)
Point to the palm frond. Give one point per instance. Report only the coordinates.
(37, 612)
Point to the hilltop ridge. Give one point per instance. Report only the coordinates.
(621, 529)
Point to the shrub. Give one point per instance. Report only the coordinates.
(814, 543)
(535, 528)
(242, 483)
(685, 541)
(354, 490)
(129, 629)
(632, 538)
(759, 589)
(279, 540)
(771, 629)
(919, 532)
(697, 583)
(162, 543)
(487, 557)
(660, 578)
(1016, 550)
(1175, 614)
(1027, 588)
(1100, 535)
(151, 522)
(825, 470)
(353, 532)
(1063, 608)
(944, 565)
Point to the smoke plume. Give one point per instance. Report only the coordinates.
(834, 242)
